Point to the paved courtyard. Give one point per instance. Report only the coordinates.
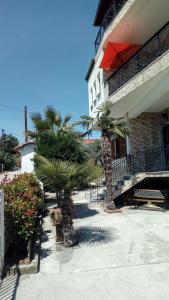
(119, 256)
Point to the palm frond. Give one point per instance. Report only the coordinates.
(39, 123)
(67, 118)
(35, 117)
(31, 134)
(87, 133)
(58, 121)
(50, 114)
(59, 175)
(86, 117)
(105, 108)
(119, 131)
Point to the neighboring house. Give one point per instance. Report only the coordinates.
(131, 69)
(27, 152)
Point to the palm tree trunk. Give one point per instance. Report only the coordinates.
(68, 230)
(67, 209)
(107, 165)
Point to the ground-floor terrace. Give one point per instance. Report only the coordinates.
(146, 148)
(119, 256)
(147, 131)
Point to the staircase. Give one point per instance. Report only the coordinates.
(130, 170)
(126, 183)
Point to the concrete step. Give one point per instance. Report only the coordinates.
(128, 177)
(115, 187)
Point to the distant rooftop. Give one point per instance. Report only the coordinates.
(24, 145)
(90, 141)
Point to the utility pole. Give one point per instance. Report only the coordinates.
(2, 139)
(26, 123)
(3, 131)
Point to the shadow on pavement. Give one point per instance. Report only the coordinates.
(45, 237)
(83, 211)
(93, 236)
(45, 252)
(8, 287)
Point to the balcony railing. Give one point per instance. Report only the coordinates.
(154, 160)
(149, 52)
(108, 18)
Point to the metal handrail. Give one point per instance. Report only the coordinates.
(108, 18)
(149, 52)
(153, 160)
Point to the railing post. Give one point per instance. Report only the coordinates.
(138, 62)
(158, 45)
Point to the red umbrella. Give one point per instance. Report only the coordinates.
(117, 54)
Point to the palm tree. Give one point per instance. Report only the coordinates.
(63, 177)
(51, 122)
(109, 127)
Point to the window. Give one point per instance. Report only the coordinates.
(99, 84)
(91, 94)
(95, 91)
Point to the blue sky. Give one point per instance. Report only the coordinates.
(45, 50)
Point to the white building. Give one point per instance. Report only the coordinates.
(139, 86)
(27, 152)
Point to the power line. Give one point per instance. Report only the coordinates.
(14, 108)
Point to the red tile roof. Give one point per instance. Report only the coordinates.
(89, 141)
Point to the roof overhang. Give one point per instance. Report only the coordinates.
(103, 6)
(24, 145)
(90, 69)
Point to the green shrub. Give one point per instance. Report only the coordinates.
(22, 197)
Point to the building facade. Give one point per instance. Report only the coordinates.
(27, 153)
(131, 69)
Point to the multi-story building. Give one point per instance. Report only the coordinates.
(131, 69)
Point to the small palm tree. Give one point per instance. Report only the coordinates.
(108, 127)
(63, 177)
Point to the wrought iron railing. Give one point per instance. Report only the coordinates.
(108, 18)
(154, 160)
(154, 48)
(121, 168)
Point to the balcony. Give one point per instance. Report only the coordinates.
(108, 18)
(149, 52)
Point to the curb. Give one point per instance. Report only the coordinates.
(33, 267)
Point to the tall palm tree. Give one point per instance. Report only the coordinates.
(108, 127)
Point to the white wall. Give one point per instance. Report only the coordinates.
(27, 154)
(98, 96)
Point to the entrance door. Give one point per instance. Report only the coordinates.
(119, 148)
(166, 144)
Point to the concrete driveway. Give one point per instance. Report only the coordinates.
(120, 256)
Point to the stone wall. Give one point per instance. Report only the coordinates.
(145, 132)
